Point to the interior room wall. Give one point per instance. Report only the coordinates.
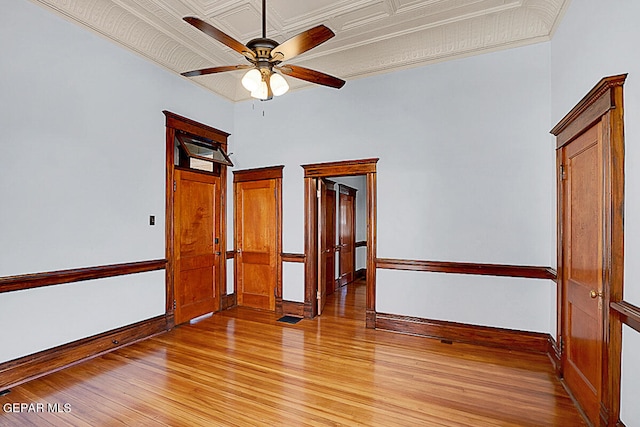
(598, 39)
(83, 143)
(466, 173)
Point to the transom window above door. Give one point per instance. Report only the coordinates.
(199, 154)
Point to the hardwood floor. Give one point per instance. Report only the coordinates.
(243, 368)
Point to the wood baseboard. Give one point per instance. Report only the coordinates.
(18, 371)
(529, 342)
(361, 274)
(293, 308)
(228, 301)
(555, 356)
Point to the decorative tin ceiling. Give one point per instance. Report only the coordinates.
(372, 36)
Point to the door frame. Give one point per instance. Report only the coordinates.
(365, 167)
(604, 103)
(259, 174)
(174, 123)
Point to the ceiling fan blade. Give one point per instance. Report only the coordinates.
(301, 43)
(223, 38)
(311, 76)
(214, 70)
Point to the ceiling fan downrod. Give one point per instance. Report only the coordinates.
(264, 19)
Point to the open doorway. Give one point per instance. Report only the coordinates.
(314, 275)
(342, 234)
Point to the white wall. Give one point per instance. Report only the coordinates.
(83, 142)
(466, 173)
(599, 38)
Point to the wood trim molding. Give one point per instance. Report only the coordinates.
(344, 168)
(228, 301)
(324, 170)
(345, 189)
(523, 341)
(629, 314)
(530, 272)
(361, 244)
(37, 280)
(176, 121)
(293, 308)
(271, 172)
(604, 105)
(18, 371)
(289, 257)
(591, 107)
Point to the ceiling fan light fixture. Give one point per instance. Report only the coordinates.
(252, 79)
(261, 92)
(279, 85)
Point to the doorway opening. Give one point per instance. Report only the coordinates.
(313, 188)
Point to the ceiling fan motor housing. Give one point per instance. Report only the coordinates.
(262, 48)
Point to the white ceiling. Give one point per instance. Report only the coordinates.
(372, 36)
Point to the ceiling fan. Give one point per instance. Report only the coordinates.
(266, 56)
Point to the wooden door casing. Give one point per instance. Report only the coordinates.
(582, 275)
(196, 237)
(366, 167)
(257, 228)
(590, 202)
(175, 123)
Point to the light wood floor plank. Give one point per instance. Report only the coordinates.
(243, 368)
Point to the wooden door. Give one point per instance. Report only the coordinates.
(582, 278)
(322, 245)
(329, 261)
(197, 256)
(256, 231)
(347, 240)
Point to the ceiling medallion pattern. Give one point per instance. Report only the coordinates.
(372, 36)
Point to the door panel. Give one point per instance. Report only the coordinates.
(196, 225)
(583, 269)
(256, 240)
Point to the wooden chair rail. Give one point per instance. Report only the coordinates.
(530, 272)
(290, 257)
(629, 314)
(37, 280)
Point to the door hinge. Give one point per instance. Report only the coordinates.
(175, 185)
(561, 346)
(319, 295)
(174, 304)
(563, 173)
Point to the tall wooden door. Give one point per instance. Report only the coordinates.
(582, 275)
(257, 240)
(347, 238)
(197, 256)
(322, 244)
(329, 261)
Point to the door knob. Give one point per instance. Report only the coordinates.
(595, 294)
